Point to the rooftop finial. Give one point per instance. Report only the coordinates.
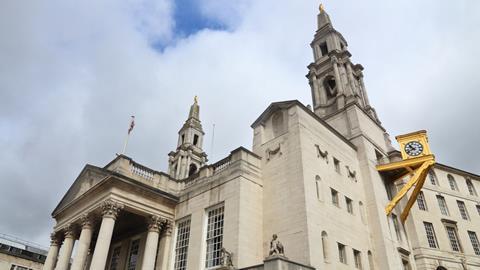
(195, 99)
(322, 8)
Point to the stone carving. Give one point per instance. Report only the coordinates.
(111, 209)
(55, 240)
(269, 153)
(167, 227)
(69, 231)
(86, 221)
(320, 153)
(276, 248)
(154, 223)
(351, 174)
(226, 258)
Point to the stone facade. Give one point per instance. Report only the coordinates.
(310, 180)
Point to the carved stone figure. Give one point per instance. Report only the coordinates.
(276, 248)
(226, 258)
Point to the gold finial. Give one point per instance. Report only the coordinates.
(322, 8)
(195, 99)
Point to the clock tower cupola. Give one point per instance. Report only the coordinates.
(189, 155)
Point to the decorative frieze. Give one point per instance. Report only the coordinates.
(351, 174)
(111, 209)
(320, 153)
(272, 152)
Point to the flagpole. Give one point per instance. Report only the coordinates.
(126, 143)
(132, 124)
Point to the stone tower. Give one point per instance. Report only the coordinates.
(189, 155)
(335, 81)
(340, 98)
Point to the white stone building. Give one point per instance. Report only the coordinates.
(310, 178)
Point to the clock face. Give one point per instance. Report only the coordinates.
(413, 148)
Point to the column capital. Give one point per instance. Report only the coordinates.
(154, 223)
(111, 209)
(167, 227)
(55, 240)
(86, 221)
(69, 231)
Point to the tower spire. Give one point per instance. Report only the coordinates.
(189, 155)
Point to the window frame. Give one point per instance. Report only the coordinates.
(342, 253)
(443, 207)
(129, 257)
(452, 182)
(449, 228)
(474, 241)
(335, 197)
(357, 259)
(182, 243)
(471, 188)
(462, 208)
(214, 243)
(349, 204)
(421, 202)
(431, 235)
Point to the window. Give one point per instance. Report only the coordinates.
(181, 247)
(326, 254)
(323, 48)
(334, 197)
(348, 202)
(463, 210)
(214, 236)
(396, 225)
(336, 163)
(453, 237)
(115, 258)
(133, 255)
(319, 189)
(431, 237)
(471, 188)
(195, 139)
(405, 264)
(478, 209)
(18, 267)
(357, 256)
(443, 205)
(433, 178)
(475, 243)
(422, 205)
(370, 260)
(452, 182)
(183, 138)
(342, 255)
(192, 169)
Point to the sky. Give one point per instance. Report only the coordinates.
(73, 72)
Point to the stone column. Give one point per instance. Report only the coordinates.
(83, 244)
(52, 252)
(66, 250)
(151, 244)
(110, 211)
(338, 81)
(164, 247)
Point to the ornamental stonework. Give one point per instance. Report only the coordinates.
(111, 209)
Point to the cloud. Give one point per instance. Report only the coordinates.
(72, 73)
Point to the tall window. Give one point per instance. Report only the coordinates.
(431, 237)
(478, 209)
(452, 182)
(336, 163)
(396, 225)
(463, 210)
(422, 205)
(181, 247)
(357, 256)
(214, 236)
(323, 48)
(475, 243)
(133, 255)
(453, 237)
(471, 188)
(342, 254)
(326, 254)
(318, 185)
(370, 260)
(433, 178)
(349, 204)
(334, 197)
(443, 205)
(115, 258)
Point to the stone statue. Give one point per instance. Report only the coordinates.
(276, 248)
(226, 258)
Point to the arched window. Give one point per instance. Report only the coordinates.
(422, 204)
(370, 260)
(433, 178)
(362, 212)
(330, 87)
(471, 188)
(319, 187)
(452, 182)
(192, 169)
(441, 268)
(326, 254)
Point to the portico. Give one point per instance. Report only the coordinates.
(113, 221)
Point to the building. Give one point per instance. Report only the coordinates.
(310, 179)
(17, 254)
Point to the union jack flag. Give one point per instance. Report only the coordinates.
(132, 124)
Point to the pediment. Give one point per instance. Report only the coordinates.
(88, 177)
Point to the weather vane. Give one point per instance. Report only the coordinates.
(195, 99)
(322, 8)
